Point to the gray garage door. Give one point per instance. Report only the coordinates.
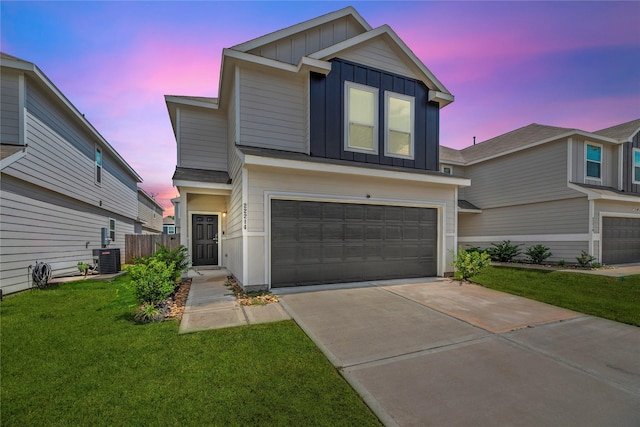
(319, 242)
(620, 240)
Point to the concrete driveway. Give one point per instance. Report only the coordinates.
(438, 353)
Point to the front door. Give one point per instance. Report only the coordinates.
(205, 239)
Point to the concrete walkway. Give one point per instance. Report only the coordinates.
(443, 354)
(211, 305)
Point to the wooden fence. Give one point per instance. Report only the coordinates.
(144, 245)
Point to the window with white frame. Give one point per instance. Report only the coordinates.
(636, 166)
(593, 161)
(98, 162)
(361, 118)
(112, 229)
(399, 113)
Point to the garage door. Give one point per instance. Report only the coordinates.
(321, 242)
(620, 240)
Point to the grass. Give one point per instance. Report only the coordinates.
(71, 355)
(608, 297)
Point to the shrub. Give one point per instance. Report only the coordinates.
(179, 257)
(468, 263)
(538, 253)
(504, 251)
(153, 282)
(585, 260)
(562, 263)
(148, 313)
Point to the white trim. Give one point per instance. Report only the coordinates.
(427, 76)
(97, 149)
(633, 165)
(179, 134)
(569, 159)
(333, 198)
(301, 27)
(411, 100)
(13, 158)
(578, 237)
(109, 230)
(592, 221)
(190, 215)
(245, 223)
(594, 194)
(236, 95)
(305, 64)
(348, 85)
(185, 100)
(253, 160)
(223, 188)
(444, 166)
(586, 161)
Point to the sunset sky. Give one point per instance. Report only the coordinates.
(508, 64)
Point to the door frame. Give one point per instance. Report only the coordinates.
(440, 207)
(190, 232)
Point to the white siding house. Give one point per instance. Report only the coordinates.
(61, 180)
(271, 189)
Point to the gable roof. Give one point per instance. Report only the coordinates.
(623, 132)
(301, 27)
(450, 155)
(33, 71)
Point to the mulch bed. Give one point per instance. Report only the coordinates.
(176, 303)
(250, 298)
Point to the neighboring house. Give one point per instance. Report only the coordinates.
(150, 214)
(61, 181)
(567, 189)
(318, 162)
(168, 225)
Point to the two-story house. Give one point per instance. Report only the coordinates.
(318, 162)
(61, 182)
(567, 189)
(150, 214)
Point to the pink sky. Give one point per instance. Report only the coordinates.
(509, 64)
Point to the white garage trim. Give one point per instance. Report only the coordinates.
(600, 224)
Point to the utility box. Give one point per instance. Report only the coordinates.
(108, 260)
(104, 237)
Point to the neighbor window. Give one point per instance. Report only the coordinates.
(593, 159)
(112, 229)
(98, 166)
(361, 118)
(636, 166)
(399, 111)
(448, 170)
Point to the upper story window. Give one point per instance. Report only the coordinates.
(636, 166)
(112, 229)
(399, 113)
(448, 170)
(98, 160)
(361, 111)
(593, 159)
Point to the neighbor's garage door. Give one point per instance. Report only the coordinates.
(620, 240)
(321, 242)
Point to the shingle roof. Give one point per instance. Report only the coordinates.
(201, 175)
(511, 141)
(450, 155)
(621, 132)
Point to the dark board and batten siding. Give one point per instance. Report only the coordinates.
(627, 171)
(327, 115)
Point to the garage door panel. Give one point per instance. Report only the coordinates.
(620, 240)
(322, 242)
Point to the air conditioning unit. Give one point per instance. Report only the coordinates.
(108, 260)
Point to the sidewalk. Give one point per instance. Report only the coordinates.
(211, 305)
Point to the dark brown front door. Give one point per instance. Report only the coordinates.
(205, 239)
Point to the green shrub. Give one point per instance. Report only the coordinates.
(468, 263)
(179, 257)
(538, 253)
(585, 260)
(148, 313)
(562, 263)
(153, 282)
(504, 251)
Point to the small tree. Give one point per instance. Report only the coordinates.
(538, 253)
(469, 263)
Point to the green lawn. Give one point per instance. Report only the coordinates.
(72, 356)
(609, 297)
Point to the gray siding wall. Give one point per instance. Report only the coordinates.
(534, 175)
(610, 164)
(291, 49)
(150, 214)
(565, 251)
(53, 163)
(569, 216)
(9, 107)
(40, 225)
(273, 110)
(378, 54)
(203, 139)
